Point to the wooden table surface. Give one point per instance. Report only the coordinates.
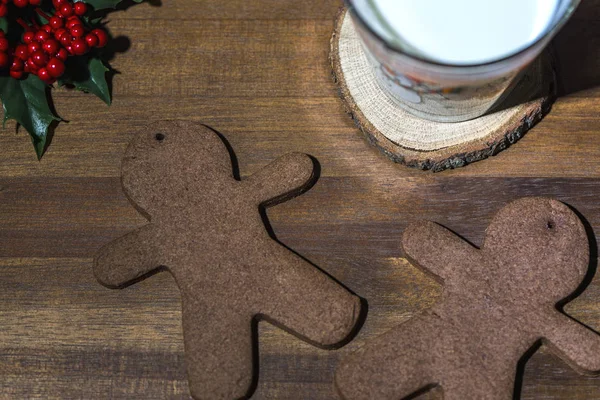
(257, 71)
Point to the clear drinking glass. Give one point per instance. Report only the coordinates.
(441, 91)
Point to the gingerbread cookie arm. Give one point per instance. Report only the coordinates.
(304, 300)
(218, 349)
(128, 258)
(286, 176)
(576, 344)
(436, 249)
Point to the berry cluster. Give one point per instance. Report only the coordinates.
(45, 48)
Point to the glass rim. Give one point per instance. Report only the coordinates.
(561, 21)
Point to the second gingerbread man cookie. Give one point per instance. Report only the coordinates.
(497, 303)
(205, 228)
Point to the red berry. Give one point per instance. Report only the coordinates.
(79, 46)
(33, 47)
(102, 37)
(80, 8)
(39, 58)
(16, 74)
(44, 75)
(35, 2)
(62, 54)
(66, 39)
(78, 31)
(56, 22)
(41, 36)
(31, 67)
(47, 28)
(91, 40)
(4, 60)
(17, 64)
(28, 37)
(3, 10)
(21, 52)
(59, 32)
(4, 44)
(55, 67)
(51, 46)
(21, 3)
(66, 9)
(72, 21)
(58, 3)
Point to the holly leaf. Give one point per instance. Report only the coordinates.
(26, 102)
(4, 24)
(104, 4)
(88, 74)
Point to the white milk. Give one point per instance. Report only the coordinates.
(461, 31)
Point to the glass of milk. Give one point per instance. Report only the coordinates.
(454, 60)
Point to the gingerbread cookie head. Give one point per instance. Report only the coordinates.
(540, 246)
(174, 160)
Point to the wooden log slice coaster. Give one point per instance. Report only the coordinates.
(424, 144)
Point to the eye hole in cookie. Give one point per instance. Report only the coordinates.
(160, 137)
(550, 225)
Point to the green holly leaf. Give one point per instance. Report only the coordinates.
(88, 74)
(104, 4)
(26, 102)
(4, 24)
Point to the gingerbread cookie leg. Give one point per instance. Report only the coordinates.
(307, 301)
(485, 389)
(218, 350)
(576, 344)
(284, 176)
(392, 366)
(128, 258)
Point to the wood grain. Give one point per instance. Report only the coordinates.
(258, 72)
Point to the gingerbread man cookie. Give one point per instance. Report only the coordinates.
(206, 230)
(497, 303)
